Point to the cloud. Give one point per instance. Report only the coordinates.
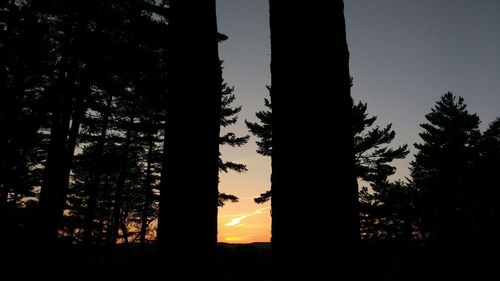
(236, 221)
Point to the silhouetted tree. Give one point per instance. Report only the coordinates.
(24, 74)
(371, 146)
(372, 153)
(224, 198)
(195, 82)
(152, 165)
(489, 165)
(229, 116)
(126, 178)
(67, 95)
(263, 131)
(387, 209)
(61, 62)
(120, 80)
(123, 102)
(263, 128)
(442, 168)
(311, 93)
(486, 208)
(443, 175)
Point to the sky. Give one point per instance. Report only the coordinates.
(404, 55)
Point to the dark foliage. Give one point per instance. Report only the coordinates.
(447, 187)
(387, 209)
(442, 169)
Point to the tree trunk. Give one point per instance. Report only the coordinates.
(4, 215)
(123, 226)
(94, 185)
(56, 159)
(189, 227)
(312, 142)
(147, 196)
(54, 183)
(70, 146)
(10, 111)
(116, 217)
(4, 193)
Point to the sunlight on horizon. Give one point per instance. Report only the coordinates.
(244, 223)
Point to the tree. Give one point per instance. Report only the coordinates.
(443, 176)
(24, 75)
(371, 146)
(388, 212)
(93, 96)
(381, 201)
(264, 132)
(186, 194)
(486, 208)
(263, 128)
(67, 95)
(311, 92)
(122, 126)
(489, 164)
(442, 168)
(386, 208)
(63, 61)
(229, 116)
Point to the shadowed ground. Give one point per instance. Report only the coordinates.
(379, 261)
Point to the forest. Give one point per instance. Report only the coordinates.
(111, 115)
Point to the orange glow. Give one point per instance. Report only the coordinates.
(242, 223)
(245, 221)
(233, 239)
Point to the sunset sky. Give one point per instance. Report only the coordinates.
(404, 55)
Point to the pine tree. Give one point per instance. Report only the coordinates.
(263, 131)
(388, 212)
(122, 124)
(263, 128)
(442, 169)
(371, 145)
(229, 116)
(486, 208)
(24, 75)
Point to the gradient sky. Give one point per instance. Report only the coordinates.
(404, 55)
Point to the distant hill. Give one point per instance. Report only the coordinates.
(244, 262)
(257, 245)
